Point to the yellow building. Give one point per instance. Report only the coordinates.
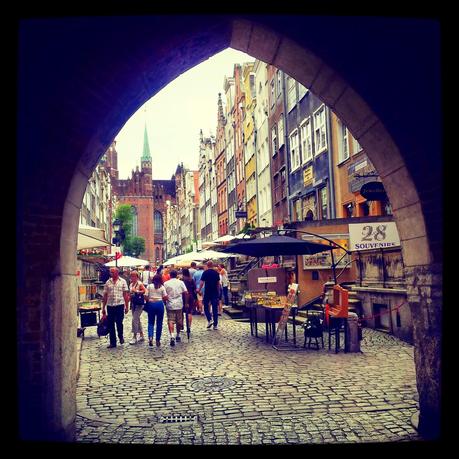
(351, 169)
(249, 143)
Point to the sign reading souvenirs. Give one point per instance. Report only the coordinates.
(373, 191)
(241, 214)
(323, 260)
(375, 235)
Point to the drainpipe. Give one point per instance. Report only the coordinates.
(330, 166)
(256, 167)
(286, 145)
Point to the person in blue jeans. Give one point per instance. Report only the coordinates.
(156, 298)
(211, 280)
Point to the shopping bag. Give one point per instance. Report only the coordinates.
(102, 326)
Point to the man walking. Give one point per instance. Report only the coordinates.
(175, 290)
(210, 279)
(116, 296)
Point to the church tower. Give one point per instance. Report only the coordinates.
(145, 165)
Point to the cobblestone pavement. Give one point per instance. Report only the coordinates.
(228, 387)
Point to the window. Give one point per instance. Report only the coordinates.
(134, 220)
(302, 90)
(356, 147)
(297, 210)
(323, 202)
(320, 130)
(252, 85)
(306, 140)
(279, 83)
(272, 93)
(273, 140)
(280, 127)
(158, 222)
(343, 142)
(294, 151)
(291, 93)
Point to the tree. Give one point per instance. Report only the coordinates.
(124, 214)
(134, 246)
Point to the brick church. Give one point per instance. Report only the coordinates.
(148, 200)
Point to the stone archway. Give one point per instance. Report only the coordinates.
(91, 100)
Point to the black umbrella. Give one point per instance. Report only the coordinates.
(276, 245)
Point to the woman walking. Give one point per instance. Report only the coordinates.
(191, 298)
(156, 298)
(137, 291)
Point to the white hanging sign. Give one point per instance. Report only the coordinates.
(373, 235)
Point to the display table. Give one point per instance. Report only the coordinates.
(89, 313)
(267, 307)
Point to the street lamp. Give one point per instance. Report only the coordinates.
(119, 236)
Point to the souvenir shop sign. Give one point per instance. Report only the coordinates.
(323, 260)
(371, 236)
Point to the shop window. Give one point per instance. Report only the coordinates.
(314, 275)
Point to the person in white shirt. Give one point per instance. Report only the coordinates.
(116, 292)
(146, 275)
(176, 290)
(156, 298)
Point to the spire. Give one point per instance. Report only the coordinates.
(146, 156)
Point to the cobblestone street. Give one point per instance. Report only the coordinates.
(227, 387)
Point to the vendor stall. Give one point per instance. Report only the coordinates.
(268, 307)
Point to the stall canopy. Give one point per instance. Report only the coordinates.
(181, 260)
(126, 261)
(276, 245)
(90, 237)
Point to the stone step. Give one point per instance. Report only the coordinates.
(233, 312)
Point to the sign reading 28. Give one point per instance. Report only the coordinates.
(370, 235)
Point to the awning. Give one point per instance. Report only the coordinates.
(90, 237)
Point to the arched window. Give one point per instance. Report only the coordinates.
(158, 219)
(134, 220)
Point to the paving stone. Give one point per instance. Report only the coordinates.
(276, 397)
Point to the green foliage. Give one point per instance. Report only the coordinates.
(134, 246)
(124, 213)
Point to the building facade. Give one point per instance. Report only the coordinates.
(220, 164)
(261, 144)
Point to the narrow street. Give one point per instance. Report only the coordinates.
(226, 387)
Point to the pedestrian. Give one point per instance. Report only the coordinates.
(192, 268)
(189, 305)
(197, 279)
(146, 275)
(175, 290)
(166, 274)
(210, 279)
(116, 295)
(137, 296)
(225, 284)
(156, 299)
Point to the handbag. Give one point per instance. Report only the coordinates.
(102, 327)
(137, 298)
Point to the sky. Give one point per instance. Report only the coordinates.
(175, 116)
